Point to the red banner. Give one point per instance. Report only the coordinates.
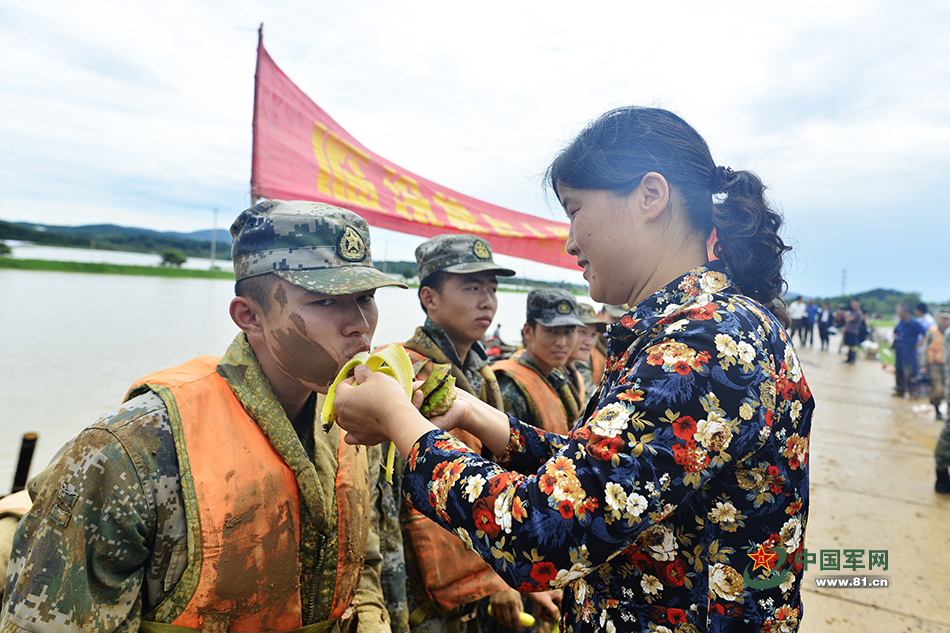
(300, 153)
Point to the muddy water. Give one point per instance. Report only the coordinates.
(72, 343)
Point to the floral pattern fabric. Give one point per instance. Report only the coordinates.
(679, 502)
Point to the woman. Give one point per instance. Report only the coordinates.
(680, 499)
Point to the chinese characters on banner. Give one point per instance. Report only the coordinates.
(300, 153)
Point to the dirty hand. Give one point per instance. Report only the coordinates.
(480, 419)
(506, 607)
(549, 603)
(373, 408)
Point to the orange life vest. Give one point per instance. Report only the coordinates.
(243, 512)
(935, 350)
(453, 575)
(545, 403)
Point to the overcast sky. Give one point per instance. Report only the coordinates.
(140, 113)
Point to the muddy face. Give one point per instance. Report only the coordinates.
(312, 335)
(303, 358)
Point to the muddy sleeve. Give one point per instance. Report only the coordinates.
(373, 617)
(80, 554)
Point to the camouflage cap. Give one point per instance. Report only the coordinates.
(587, 314)
(553, 307)
(457, 254)
(316, 246)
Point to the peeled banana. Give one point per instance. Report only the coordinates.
(392, 361)
(438, 390)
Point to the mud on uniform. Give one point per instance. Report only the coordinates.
(114, 502)
(404, 587)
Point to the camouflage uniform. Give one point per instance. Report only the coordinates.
(548, 307)
(403, 586)
(106, 540)
(588, 316)
(942, 450)
(515, 402)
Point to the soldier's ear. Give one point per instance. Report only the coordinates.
(428, 297)
(246, 315)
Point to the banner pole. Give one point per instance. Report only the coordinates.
(254, 139)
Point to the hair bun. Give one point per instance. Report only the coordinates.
(722, 179)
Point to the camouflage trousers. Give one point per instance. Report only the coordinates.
(942, 451)
(936, 383)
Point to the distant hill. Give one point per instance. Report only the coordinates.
(118, 238)
(880, 301)
(194, 244)
(224, 237)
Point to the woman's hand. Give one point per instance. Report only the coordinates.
(479, 418)
(373, 408)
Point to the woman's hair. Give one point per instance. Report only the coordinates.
(614, 153)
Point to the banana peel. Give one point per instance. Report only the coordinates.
(392, 361)
(438, 391)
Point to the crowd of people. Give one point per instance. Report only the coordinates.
(921, 355)
(644, 467)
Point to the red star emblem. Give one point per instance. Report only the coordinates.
(763, 558)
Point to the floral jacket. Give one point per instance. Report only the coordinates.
(679, 503)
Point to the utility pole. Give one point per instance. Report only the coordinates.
(844, 277)
(214, 236)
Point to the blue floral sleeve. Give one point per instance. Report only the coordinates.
(529, 447)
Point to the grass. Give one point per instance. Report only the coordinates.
(111, 269)
(150, 271)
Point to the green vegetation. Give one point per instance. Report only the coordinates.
(108, 237)
(5, 250)
(119, 238)
(174, 258)
(880, 303)
(111, 269)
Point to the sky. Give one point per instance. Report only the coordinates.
(139, 114)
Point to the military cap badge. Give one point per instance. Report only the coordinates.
(481, 250)
(351, 246)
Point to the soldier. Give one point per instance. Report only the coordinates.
(535, 388)
(580, 368)
(444, 580)
(212, 498)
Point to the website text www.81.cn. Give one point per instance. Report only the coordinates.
(852, 582)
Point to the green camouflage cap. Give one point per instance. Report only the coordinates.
(457, 254)
(586, 313)
(316, 246)
(553, 307)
